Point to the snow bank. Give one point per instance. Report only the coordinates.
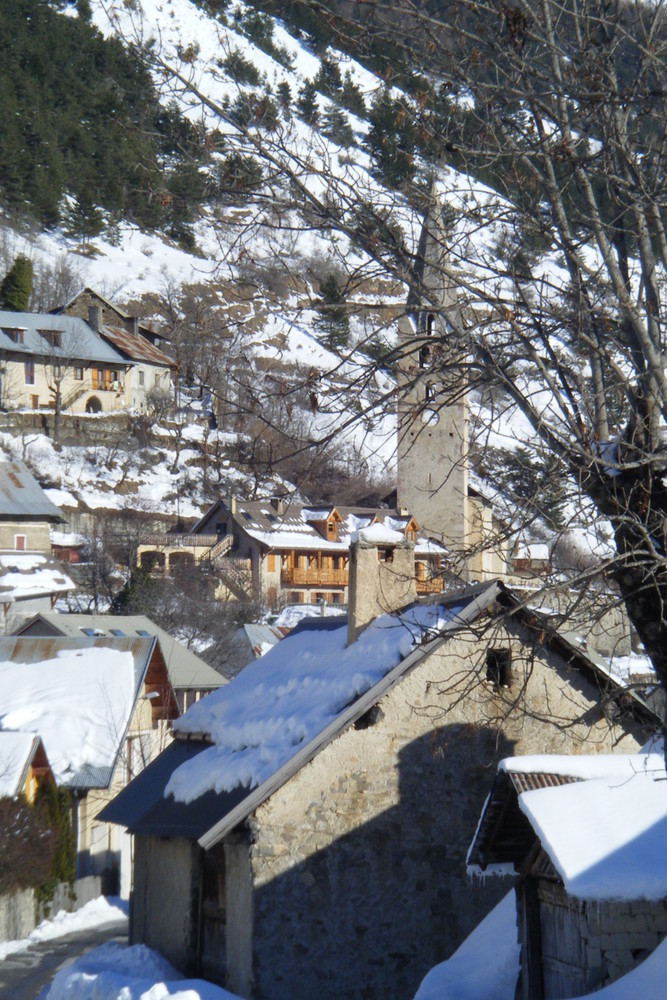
(113, 972)
(486, 965)
(97, 913)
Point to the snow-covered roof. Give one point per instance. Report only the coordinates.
(17, 750)
(600, 818)
(276, 715)
(24, 575)
(292, 530)
(186, 670)
(77, 695)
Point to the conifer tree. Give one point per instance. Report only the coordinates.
(17, 285)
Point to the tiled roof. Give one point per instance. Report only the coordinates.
(135, 347)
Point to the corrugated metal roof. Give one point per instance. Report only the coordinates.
(78, 341)
(135, 347)
(22, 496)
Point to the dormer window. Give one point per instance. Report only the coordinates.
(14, 333)
(52, 337)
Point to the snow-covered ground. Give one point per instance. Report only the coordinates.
(114, 972)
(97, 913)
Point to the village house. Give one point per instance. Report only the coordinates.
(305, 834)
(30, 581)
(23, 765)
(110, 315)
(584, 838)
(283, 552)
(190, 677)
(101, 707)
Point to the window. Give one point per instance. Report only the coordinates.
(29, 367)
(117, 631)
(141, 378)
(156, 379)
(143, 632)
(52, 337)
(88, 631)
(429, 392)
(499, 667)
(385, 555)
(78, 374)
(337, 597)
(14, 334)
(19, 543)
(430, 324)
(424, 356)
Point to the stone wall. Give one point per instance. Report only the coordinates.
(358, 861)
(588, 944)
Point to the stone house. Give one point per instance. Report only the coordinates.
(151, 373)
(190, 677)
(283, 552)
(305, 834)
(109, 314)
(586, 837)
(102, 708)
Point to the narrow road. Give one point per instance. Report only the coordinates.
(25, 974)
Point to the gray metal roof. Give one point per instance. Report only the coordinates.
(79, 342)
(21, 496)
(186, 670)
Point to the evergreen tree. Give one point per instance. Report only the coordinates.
(391, 139)
(337, 127)
(307, 103)
(17, 285)
(333, 320)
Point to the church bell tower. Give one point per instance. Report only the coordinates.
(432, 397)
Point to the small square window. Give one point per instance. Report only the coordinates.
(499, 667)
(78, 374)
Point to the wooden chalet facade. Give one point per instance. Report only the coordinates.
(287, 553)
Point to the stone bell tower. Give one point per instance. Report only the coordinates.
(432, 396)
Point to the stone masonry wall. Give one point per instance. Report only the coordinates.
(358, 861)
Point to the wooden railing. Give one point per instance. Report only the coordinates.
(431, 586)
(314, 577)
(165, 541)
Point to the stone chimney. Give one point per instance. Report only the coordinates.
(278, 505)
(230, 504)
(95, 318)
(381, 579)
(135, 325)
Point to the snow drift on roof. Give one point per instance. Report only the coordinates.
(281, 701)
(80, 703)
(606, 835)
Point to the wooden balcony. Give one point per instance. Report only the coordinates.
(165, 541)
(430, 586)
(313, 577)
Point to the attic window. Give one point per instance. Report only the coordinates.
(117, 632)
(14, 334)
(272, 518)
(142, 631)
(499, 667)
(247, 515)
(88, 631)
(52, 337)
